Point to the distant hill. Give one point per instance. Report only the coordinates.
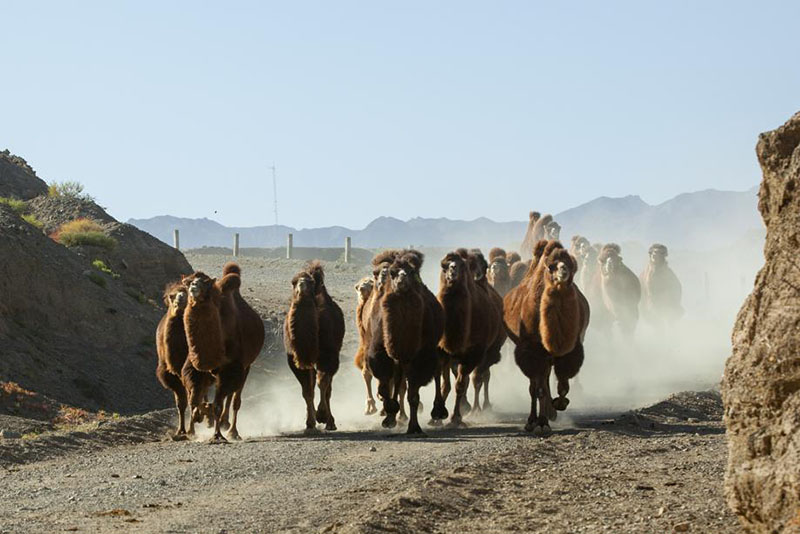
(689, 221)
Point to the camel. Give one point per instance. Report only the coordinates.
(619, 288)
(529, 241)
(512, 258)
(498, 274)
(482, 373)
(661, 289)
(172, 350)
(407, 324)
(517, 273)
(471, 322)
(313, 334)
(364, 290)
(225, 336)
(546, 317)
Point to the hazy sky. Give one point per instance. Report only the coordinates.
(436, 109)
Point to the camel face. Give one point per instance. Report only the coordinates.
(364, 288)
(303, 286)
(658, 255)
(553, 231)
(402, 276)
(177, 301)
(452, 272)
(200, 286)
(583, 248)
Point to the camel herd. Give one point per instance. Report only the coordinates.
(409, 336)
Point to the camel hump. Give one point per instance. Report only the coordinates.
(231, 267)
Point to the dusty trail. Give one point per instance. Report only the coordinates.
(603, 469)
(615, 474)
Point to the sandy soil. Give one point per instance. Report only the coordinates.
(604, 468)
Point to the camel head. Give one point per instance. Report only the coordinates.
(403, 275)
(582, 247)
(303, 285)
(364, 288)
(176, 298)
(477, 264)
(609, 259)
(498, 268)
(658, 254)
(512, 258)
(559, 268)
(454, 270)
(552, 231)
(200, 286)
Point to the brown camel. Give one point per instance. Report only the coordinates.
(407, 326)
(364, 290)
(546, 317)
(620, 289)
(471, 324)
(529, 241)
(498, 274)
(225, 336)
(172, 350)
(482, 373)
(313, 334)
(661, 289)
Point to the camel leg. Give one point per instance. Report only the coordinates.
(402, 387)
(233, 433)
(532, 417)
(180, 403)
(413, 404)
(324, 415)
(462, 381)
(224, 424)
(486, 376)
(371, 407)
(477, 382)
(219, 400)
(439, 410)
(547, 411)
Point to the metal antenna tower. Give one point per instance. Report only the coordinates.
(275, 192)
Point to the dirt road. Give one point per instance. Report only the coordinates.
(603, 469)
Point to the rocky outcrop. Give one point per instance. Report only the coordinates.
(17, 178)
(761, 386)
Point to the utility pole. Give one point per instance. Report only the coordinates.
(275, 192)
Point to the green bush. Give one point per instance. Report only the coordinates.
(33, 221)
(136, 295)
(101, 266)
(83, 232)
(68, 189)
(19, 206)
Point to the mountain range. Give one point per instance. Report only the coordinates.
(693, 221)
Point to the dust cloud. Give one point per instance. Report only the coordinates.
(618, 373)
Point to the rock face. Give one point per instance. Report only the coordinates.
(761, 386)
(68, 330)
(17, 178)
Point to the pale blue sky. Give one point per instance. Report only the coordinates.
(456, 109)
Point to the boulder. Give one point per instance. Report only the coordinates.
(761, 384)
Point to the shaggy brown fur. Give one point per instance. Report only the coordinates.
(529, 241)
(620, 289)
(517, 273)
(512, 258)
(482, 373)
(364, 290)
(173, 349)
(218, 313)
(661, 289)
(313, 334)
(499, 276)
(403, 351)
(471, 325)
(497, 253)
(546, 317)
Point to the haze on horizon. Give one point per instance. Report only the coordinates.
(452, 109)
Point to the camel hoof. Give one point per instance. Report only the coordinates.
(415, 432)
(217, 439)
(439, 411)
(389, 422)
(180, 436)
(311, 431)
(435, 422)
(234, 436)
(371, 408)
(330, 426)
(560, 403)
(456, 423)
(542, 431)
(529, 427)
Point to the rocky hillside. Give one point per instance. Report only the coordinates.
(81, 335)
(761, 386)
